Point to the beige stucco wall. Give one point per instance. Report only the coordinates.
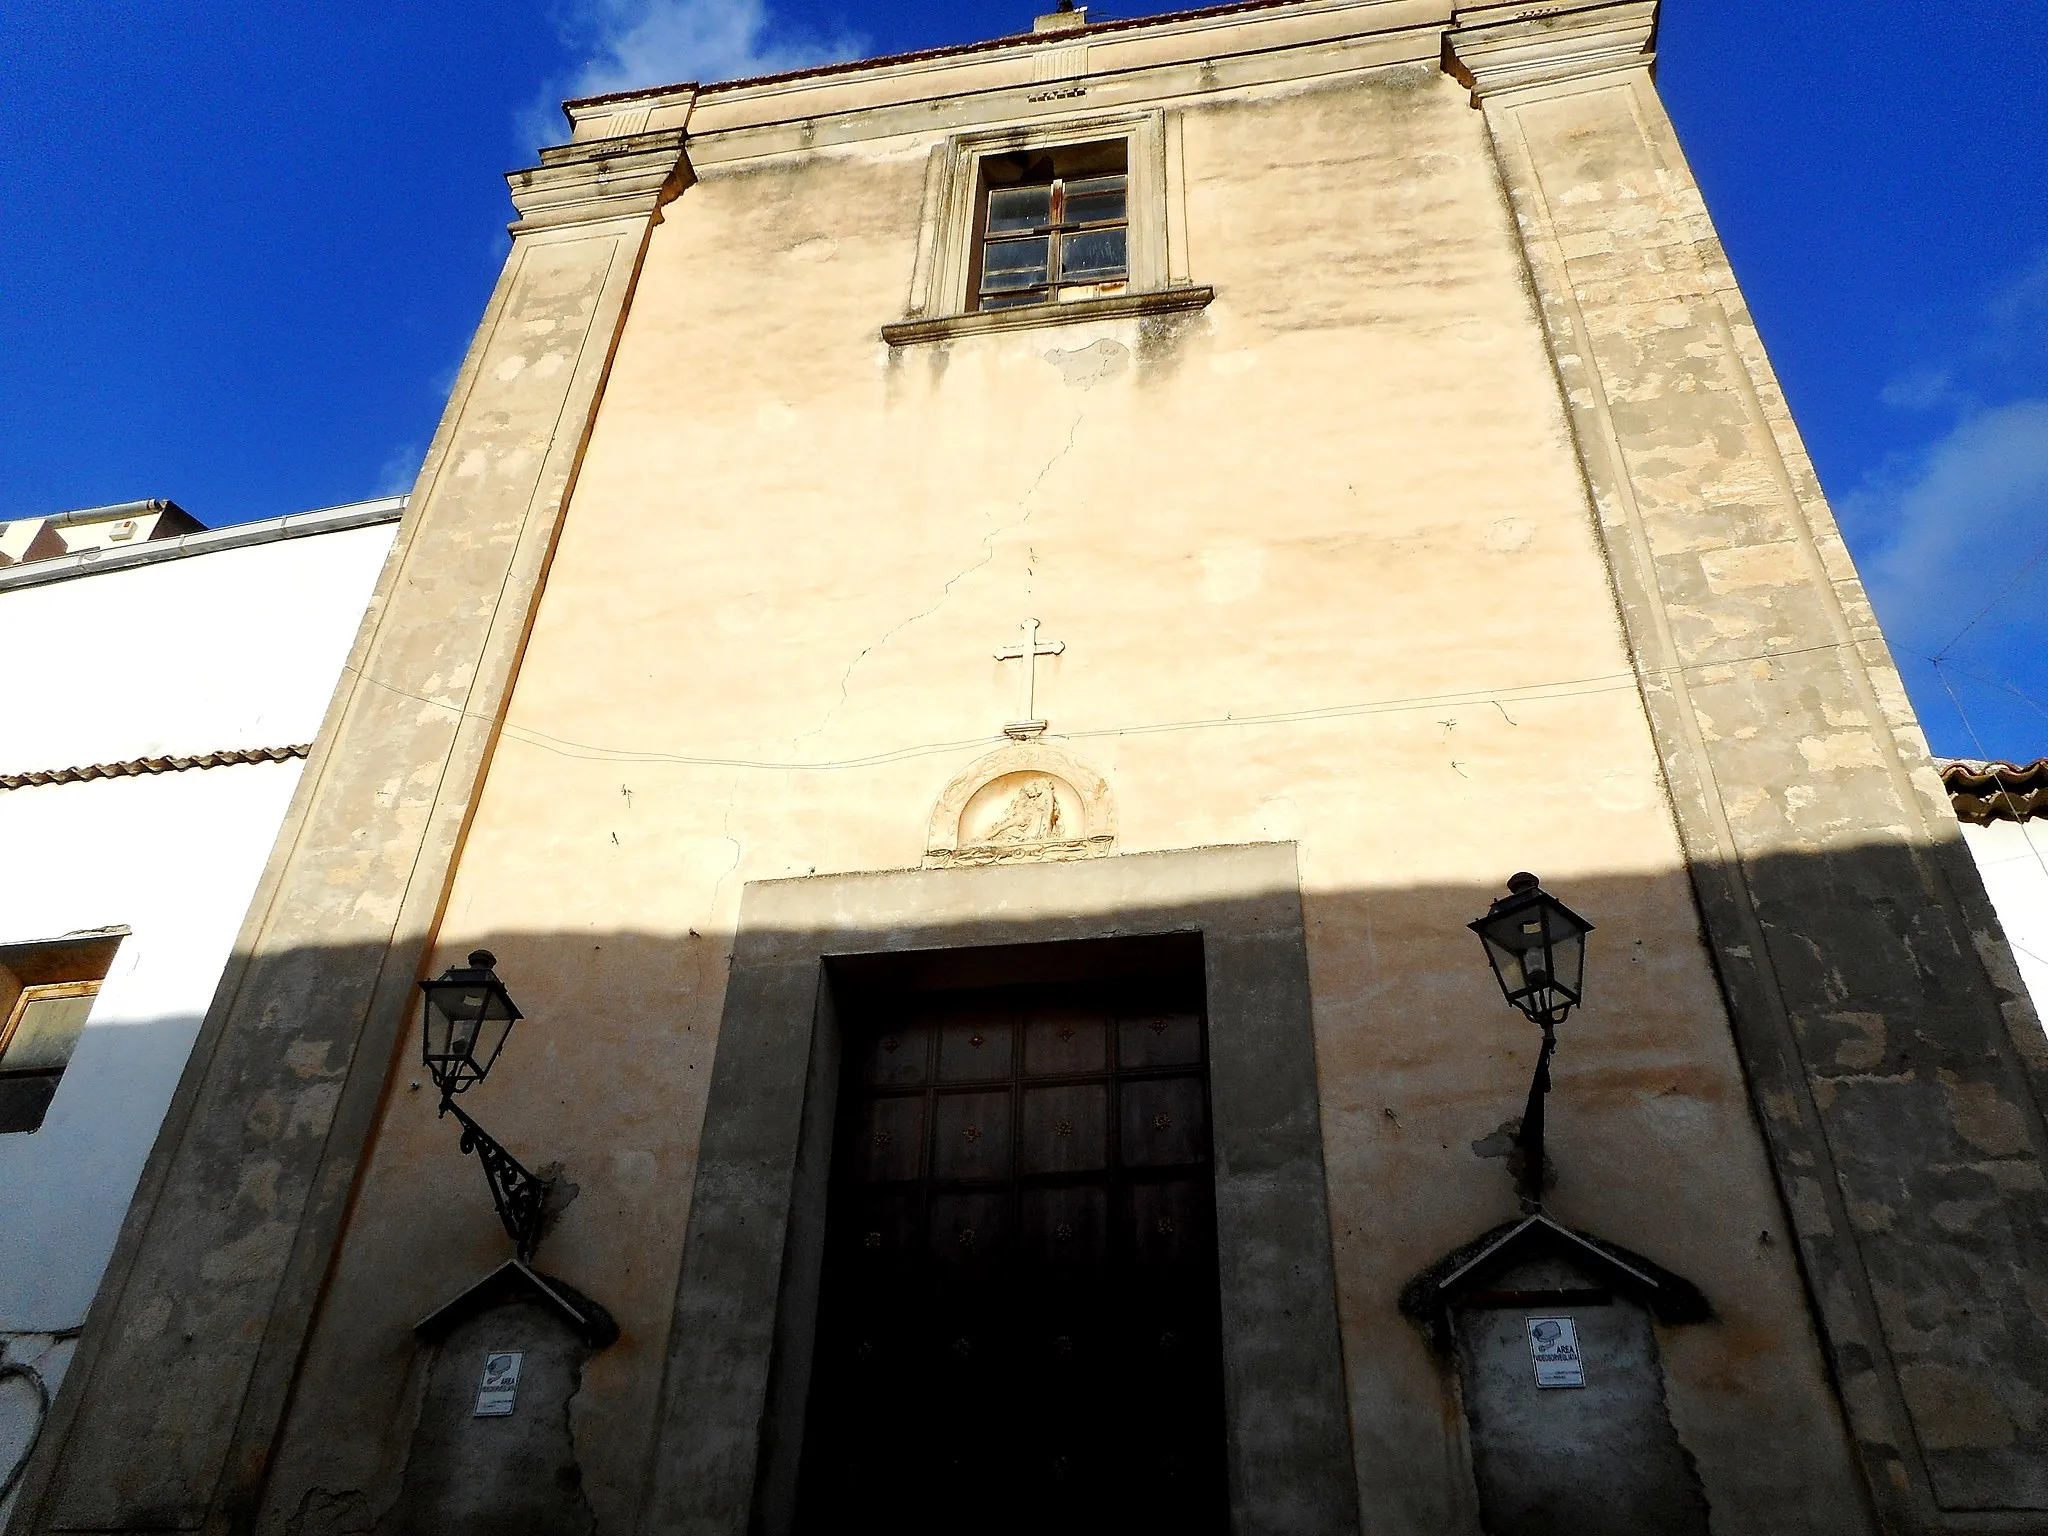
(1322, 559)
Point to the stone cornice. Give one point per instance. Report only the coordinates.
(1496, 48)
(586, 183)
(1126, 61)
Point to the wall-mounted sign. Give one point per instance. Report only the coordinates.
(499, 1385)
(1554, 1346)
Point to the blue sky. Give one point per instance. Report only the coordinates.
(242, 247)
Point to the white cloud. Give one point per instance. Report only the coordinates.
(400, 469)
(633, 43)
(1957, 526)
(624, 45)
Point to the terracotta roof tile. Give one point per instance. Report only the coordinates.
(137, 766)
(1983, 792)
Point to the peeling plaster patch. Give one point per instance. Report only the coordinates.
(1511, 535)
(1954, 1410)
(634, 1169)
(817, 248)
(253, 1256)
(2021, 1177)
(308, 1058)
(313, 1109)
(1619, 790)
(1746, 804)
(259, 1185)
(510, 368)
(1850, 749)
(1085, 367)
(1983, 1119)
(1866, 1051)
(1755, 565)
(1957, 1217)
(266, 1116)
(150, 1321)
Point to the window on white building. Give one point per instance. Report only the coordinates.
(41, 1034)
(46, 992)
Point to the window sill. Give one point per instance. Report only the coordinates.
(1122, 306)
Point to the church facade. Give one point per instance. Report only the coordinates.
(977, 629)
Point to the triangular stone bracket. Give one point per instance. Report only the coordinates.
(510, 1281)
(1471, 1274)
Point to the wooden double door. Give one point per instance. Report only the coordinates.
(1019, 1326)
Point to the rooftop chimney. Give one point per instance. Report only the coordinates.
(1068, 17)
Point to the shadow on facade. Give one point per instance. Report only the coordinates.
(1857, 1160)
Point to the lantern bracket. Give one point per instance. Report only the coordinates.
(519, 1194)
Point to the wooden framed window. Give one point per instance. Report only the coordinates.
(1046, 223)
(36, 1043)
(1053, 226)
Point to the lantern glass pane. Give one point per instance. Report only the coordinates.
(1537, 948)
(490, 1039)
(467, 1016)
(435, 1046)
(1507, 969)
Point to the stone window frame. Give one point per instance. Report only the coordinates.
(941, 306)
(728, 1431)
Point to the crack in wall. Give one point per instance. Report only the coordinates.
(988, 553)
(732, 792)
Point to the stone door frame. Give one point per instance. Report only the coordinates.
(728, 1432)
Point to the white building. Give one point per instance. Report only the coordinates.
(2004, 811)
(161, 688)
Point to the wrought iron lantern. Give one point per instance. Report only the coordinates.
(1537, 948)
(468, 1016)
(464, 1024)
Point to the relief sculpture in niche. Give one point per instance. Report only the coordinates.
(1028, 801)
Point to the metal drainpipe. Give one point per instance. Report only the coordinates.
(108, 514)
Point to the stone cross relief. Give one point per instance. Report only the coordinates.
(1027, 725)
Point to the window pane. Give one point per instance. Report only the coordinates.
(48, 1030)
(1091, 202)
(1014, 263)
(25, 1100)
(1015, 208)
(1094, 257)
(1012, 300)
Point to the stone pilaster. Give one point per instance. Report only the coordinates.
(1894, 1062)
(167, 1419)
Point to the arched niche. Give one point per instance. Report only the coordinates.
(1028, 800)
